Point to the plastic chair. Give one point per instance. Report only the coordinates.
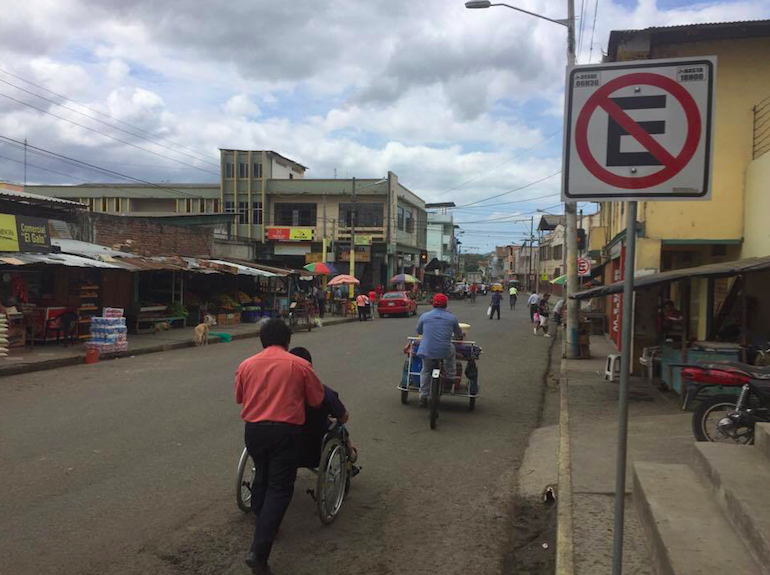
(649, 356)
(613, 367)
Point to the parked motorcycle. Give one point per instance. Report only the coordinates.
(728, 417)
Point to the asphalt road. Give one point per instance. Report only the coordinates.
(128, 466)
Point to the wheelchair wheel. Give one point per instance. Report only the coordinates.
(404, 397)
(246, 474)
(331, 480)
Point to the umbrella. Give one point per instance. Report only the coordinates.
(404, 279)
(343, 280)
(561, 280)
(321, 268)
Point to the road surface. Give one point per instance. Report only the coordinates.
(128, 466)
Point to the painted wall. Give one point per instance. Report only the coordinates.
(756, 241)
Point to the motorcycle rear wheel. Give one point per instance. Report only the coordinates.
(707, 415)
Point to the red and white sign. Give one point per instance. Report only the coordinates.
(584, 267)
(278, 233)
(639, 130)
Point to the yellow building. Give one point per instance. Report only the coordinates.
(734, 224)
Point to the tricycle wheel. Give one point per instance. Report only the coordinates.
(472, 404)
(404, 397)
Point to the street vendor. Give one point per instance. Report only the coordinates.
(437, 328)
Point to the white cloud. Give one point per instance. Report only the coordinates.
(241, 105)
(432, 91)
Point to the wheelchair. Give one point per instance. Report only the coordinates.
(333, 475)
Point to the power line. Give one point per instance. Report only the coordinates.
(591, 51)
(107, 123)
(469, 208)
(476, 177)
(80, 163)
(511, 191)
(99, 112)
(106, 135)
(582, 26)
(41, 168)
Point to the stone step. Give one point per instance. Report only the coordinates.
(686, 531)
(762, 438)
(737, 476)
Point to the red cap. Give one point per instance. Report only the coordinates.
(440, 300)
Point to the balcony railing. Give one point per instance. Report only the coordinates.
(761, 128)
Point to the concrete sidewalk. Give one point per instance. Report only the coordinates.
(658, 432)
(52, 356)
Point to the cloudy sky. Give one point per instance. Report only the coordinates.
(463, 105)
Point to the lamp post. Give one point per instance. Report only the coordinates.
(570, 208)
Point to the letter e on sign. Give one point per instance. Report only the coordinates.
(639, 130)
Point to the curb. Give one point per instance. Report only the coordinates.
(79, 359)
(564, 532)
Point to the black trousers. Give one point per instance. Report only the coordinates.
(495, 308)
(362, 313)
(321, 308)
(532, 310)
(274, 451)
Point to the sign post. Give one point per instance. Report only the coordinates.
(637, 131)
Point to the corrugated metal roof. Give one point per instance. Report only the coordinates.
(245, 269)
(37, 199)
(87, 249)
(724, 269)
(68, 260)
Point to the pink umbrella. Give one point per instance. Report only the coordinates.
(343, 280)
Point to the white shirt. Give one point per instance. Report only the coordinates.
(533, 299)
(558, 306)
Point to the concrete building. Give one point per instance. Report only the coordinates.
(506, 257)
(441, 241)
(673, 235)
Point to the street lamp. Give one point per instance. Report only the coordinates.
(570, 208)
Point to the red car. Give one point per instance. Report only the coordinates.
(396, 302)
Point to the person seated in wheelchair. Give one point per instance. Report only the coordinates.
(319, 420)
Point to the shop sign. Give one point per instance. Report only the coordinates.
(313, 258)
(290, 234)
(24, 234)
(363, 254)
(291, 249)
(363, 240)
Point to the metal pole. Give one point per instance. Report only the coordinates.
(351, 291)
(625, 369)
(570, 210)
(530, 283)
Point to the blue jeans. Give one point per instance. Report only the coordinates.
(427, 368)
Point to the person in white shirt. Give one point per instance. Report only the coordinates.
(533, 301)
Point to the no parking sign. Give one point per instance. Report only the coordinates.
(639, 130)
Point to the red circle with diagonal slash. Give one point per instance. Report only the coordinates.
(672, 164)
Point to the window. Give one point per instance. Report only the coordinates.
(557, 272)
(89, 202)
(367, 215)
(229, 170)
(257, 169)
(243, 170)
(201, 206)
(257, 209)
(295, 214)
(216, 206)
(400, 222)
(104, 205)
(243, 212)
(409, 222)
(188, 206)
(229, 208)
(557, 252)
(291, 176)
(116, 204)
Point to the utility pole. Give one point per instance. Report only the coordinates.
(530, 283)
(351, 290)
(324, 243)
(25, 162)
(570, 210)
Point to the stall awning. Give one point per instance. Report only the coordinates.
(724, 269)
(241, 269)
(68, 260)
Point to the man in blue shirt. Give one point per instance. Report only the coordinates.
(496, 300)
(437, 328)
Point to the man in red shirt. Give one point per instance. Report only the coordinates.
(273, 388)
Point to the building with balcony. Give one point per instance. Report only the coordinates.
(441, 241)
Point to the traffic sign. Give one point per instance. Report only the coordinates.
(584, 267)
(639, 130)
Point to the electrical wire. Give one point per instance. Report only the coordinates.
(102, 113)
(106, 135)
(476, 177)
(41, 168)
(582, 26)
(593, 29)
(48, 153)
(511, 191)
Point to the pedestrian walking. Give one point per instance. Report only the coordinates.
(494, 306)
(321, 302)
(543, 312)
(372, 302)
(273, 387)
(532, 302)
(362, 301)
